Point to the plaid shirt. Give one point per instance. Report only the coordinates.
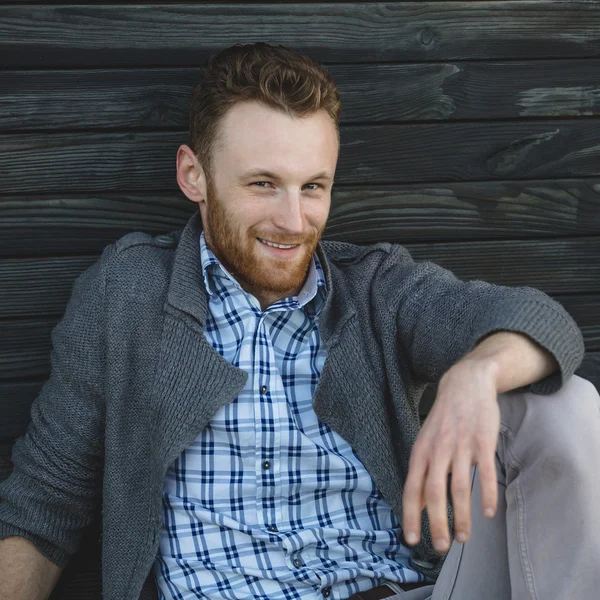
(269, 503)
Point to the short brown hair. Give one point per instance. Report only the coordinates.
(274, 75)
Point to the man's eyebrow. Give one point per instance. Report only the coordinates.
(269, 175)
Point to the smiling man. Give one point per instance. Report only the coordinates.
(241, 398)
(266, 237)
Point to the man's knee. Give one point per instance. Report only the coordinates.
(560, 429)
(577, 398)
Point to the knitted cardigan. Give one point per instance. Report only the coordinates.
(134, 381)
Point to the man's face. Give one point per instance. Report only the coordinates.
(270, 183)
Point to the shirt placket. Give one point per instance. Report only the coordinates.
(268, 429)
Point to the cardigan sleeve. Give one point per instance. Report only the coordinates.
(56, 483)
(441, 318)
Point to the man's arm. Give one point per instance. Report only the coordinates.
(440, 318)
(24, 573)
(513, 360)
(56, 482)
(462, 430)
(476, 339)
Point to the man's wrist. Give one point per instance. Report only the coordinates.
(485, 365)
(511, 359)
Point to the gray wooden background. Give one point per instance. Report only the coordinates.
(470, 133)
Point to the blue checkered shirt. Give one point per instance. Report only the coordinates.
(269, 503)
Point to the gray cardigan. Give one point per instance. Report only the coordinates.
(134, 382)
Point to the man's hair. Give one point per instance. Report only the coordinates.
(274, 75)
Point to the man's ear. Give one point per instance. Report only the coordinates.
(190, 175)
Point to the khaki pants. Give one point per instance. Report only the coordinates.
(544, 542)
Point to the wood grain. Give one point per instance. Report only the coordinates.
(39, 287)
(185, 34)
(158, 98)
(375, 154)
(554, 266)
(585, 310)
(6, 466)
(15, 407)
(483, 210)
(46, 225)
(25, 350)
(590, 368)
(469, 131)
(53, 224)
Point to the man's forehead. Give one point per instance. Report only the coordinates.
(250, 122)
(259, 141)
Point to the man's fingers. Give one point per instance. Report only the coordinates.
(489, 484)
(412, 498)
(436, 500)
(461, 498)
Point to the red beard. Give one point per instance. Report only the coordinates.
(240, 254)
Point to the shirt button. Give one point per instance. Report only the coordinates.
(272, 529)
(297, 563)
(266, 465)
(326, 593)
(263, 389)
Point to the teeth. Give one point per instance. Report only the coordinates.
(274, 245)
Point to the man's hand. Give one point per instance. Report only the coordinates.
(461, 431)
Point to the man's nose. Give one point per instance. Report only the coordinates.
(289, 213)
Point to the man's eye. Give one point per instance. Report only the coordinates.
(259, 184)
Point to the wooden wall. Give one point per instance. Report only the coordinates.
(470, 133)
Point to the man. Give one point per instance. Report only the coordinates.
(242, 399)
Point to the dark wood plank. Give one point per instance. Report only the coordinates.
(590, 369)
(5, 465)
(25, 351)
(484, 90)
(96, 99)
(483, 210)
(554, 266)
(585, 310)
(51, 224)
(54, 224)
(15, 405)
(375, 154)
(185, 34)
(469, 151)
(42, 286)
(157, 98)
(39, 287)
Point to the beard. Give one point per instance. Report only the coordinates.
(239, 252)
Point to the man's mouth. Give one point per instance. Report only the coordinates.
(275, 245)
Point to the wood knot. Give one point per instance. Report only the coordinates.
(427, 36)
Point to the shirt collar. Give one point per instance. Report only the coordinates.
(314, 288)
(210, 263)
